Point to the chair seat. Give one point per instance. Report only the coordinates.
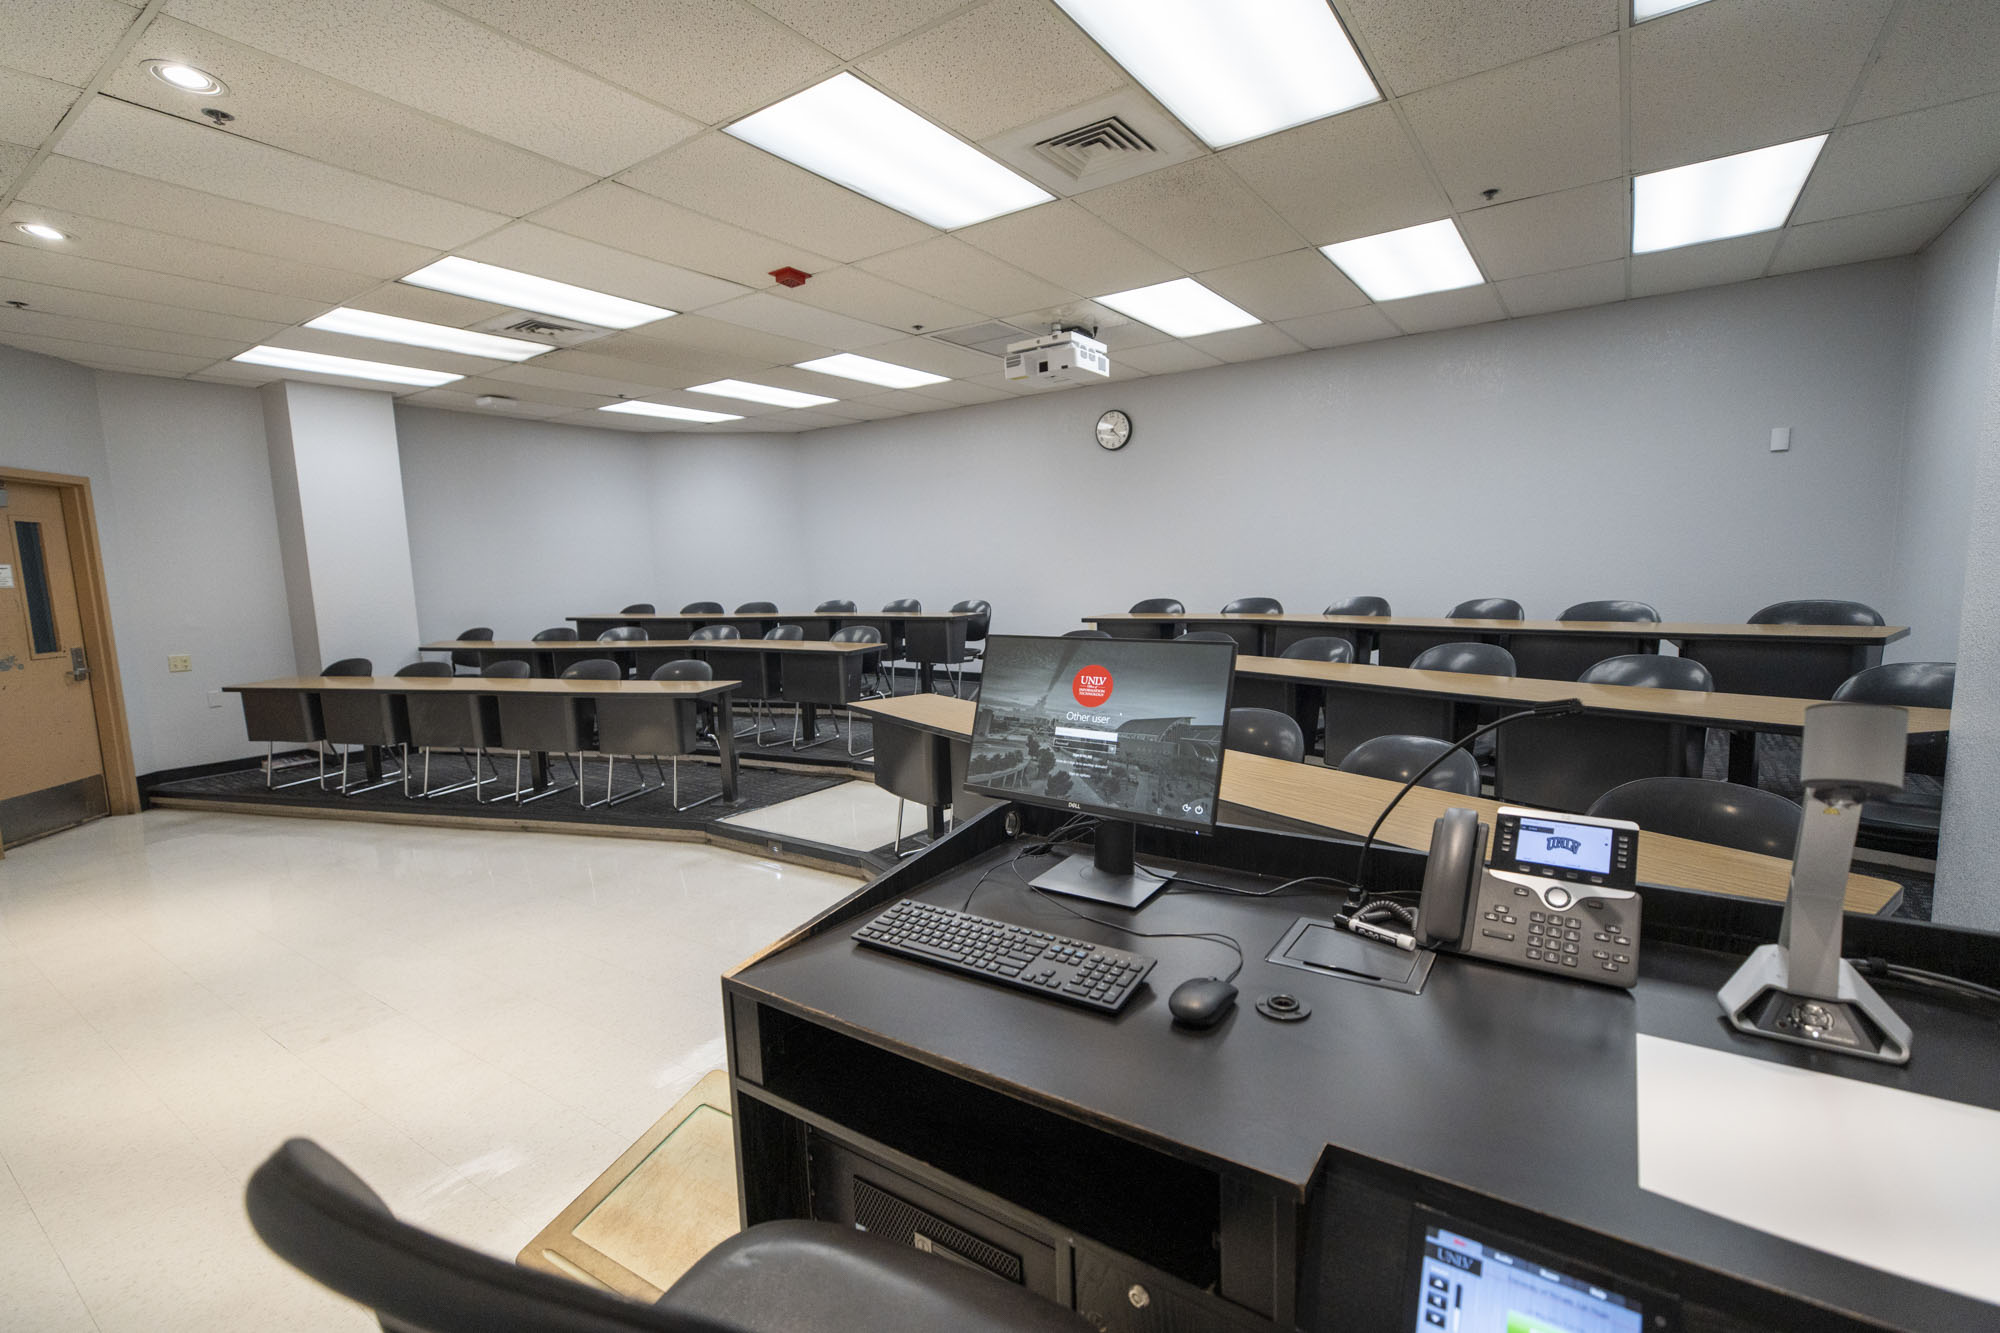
(783, 1276)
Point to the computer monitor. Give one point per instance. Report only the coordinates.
(1129, 730)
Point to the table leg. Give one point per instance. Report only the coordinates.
(1743, 757)
(541, 766)
(924, 677)
(808, 723)
(725, 741)
(373, 759)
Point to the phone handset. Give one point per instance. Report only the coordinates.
(1451, 879)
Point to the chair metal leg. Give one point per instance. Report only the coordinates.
(853, 753)
(270, 768)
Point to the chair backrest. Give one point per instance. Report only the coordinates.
(856, 634)
(908, 605)
(1400, 758)
(1651, 670)
(835, 605)
(786, 633)
(982, 618)
(622, 634)
(702, 609)
(1474, 659)
(717, 632)
(1254, 606)
(594, 668)
(1321, 648)
(477, 634)
(1092, 634)
(1487, 608)
(638, 609)
(684, 668)
(757, 608)
(506, 670)
(321, 1218)
(1908, 685)
(1610, 611)
(1359, 606)
(426, 669)
(1264, 731)
(1157, 606)
(1817, 611)
(1749, 819)
(560, 634)
(349, 666)
(1202, 636)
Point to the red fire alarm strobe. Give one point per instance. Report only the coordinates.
(790, 277)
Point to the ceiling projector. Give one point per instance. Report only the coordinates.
(1068, 356)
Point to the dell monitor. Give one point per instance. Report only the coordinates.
(1129, 730)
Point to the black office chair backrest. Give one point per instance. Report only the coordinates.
(856, 634)
(1359, 606)
(426, 669)
(1610, 611)
(477, 634)
(1817, 611)
(506, 670)
(1202, 636)
(1400, 758)
(907, 605)
(1254, 606)
(1321, 648)
(717, 632)
(1908, 685)
(560, 634)
(1749, 819)
(1093, 634)
(1487, 608)
(702, 609)
(757, 608)
(1157, 606)
(622, 634)
(1475, 659)
(1265, 731)
(786, 633)
(638, 609)
(982, 618)
(349, 666)
(684, 668)
(594, 668)
(835, 605)
(1650, 670)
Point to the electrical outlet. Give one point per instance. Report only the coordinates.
(179, 662)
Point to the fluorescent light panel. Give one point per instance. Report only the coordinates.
(1183, 308)
(853, 135)
(525, 291)
(1233, 72)
(1411, 262)
(638, 409)
(870, 371)
(760, 393)
(1726, 196)
(319, 363)
(416, 333)
(1652, 9)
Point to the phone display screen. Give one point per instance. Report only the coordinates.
(1564, 846)
(1470, 1286)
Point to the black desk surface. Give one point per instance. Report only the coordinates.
(1499, 1081)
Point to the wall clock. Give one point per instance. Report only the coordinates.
(1114, 430)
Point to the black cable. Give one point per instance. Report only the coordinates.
(1040, 847)
(1883, 970)
(1213, 937)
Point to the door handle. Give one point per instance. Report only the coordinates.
(79, 665)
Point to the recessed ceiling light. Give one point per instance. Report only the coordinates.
(525, 291)
(1233, 72)
(1411, 262)
(1183, 308)
(664, 410)
(760, 393)
(870, 371)
(186, 78)
(1652, 9)
(319, 363)
(853, 135)
(389, 328)
(1726, 196)
(41, 229)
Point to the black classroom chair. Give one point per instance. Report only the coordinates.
(1264, 731)
(702, 609)
(1401, 647)
(1566, 763)
(462, 657)
(1726, 814)
(1400, 758)
(638, 609)
(1907, 821)
(975, 632)
(640, 728)
(1564, 657)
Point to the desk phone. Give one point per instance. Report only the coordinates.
(1557, 894)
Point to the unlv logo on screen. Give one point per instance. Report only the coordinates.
(1092, 686)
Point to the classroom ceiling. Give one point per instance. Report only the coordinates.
(579, 140)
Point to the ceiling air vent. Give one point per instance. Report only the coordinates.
(1090, 149)
(1103, 141)
(542, 328)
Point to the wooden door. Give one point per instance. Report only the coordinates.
(51, 763)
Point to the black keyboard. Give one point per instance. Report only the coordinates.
(1076, 971)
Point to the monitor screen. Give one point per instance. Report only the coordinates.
(1466, 1285)
(1125, 728)
(1565, 846)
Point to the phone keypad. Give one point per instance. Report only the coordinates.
(1588, 939)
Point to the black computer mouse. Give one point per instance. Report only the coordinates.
(1201, 1002)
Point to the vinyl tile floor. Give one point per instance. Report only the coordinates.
(477, 1022)
(857, 815)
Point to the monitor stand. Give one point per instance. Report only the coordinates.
(1107, 875)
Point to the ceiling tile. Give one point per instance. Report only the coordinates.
(787, 318)
(629, 219)
(1938, 51)
(109, 358)
(1567, 229)
(674, 363)
(855, 27)
(45, 264)
(146, 143)
(1168, 357)
(296, 109)
(1445, 310)
(1286, 286)
(552, 254)
(373, 349)
(1725, 77)
(951, 270)
(1002, 64)
(960, 392)
(1591, 284)
(1413, 44)
(30, 107)
(1070, 246)
(865, 296)
(14, 159)
(40, 324)
(1862, 236)
(536, 396)
(99, 192)
(938, 358)
(1735, 260)
(65, 40)
(407, 302)
(723, 59)
(731, 180)
(444, 63)
(457, 398)
(144, 314)
(1930, 154)
(584, 372)
(701, 335)
(1115, 330)
(1198, 215)
(1363, 324)
(864, 409)
(1249, 344)
(1349, 175)
(1540, 125)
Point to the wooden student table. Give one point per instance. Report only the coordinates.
(931, 636)
(276, 697)
(1307, 798)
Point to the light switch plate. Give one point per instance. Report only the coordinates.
(1781, 439)
(179, 662)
